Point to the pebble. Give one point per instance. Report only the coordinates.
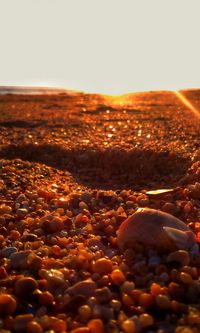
(146, 320)
(7, 251)
(52, 225)
(81, 330)
(21, 212)
(95, 242)
(85, 312)
(116, 304)
(103, 266)
(163, 302)
(29, 237)
(103, 295)
(25, 286)
(96, 326)
(146, 300)
(117, 276)
(46, 298)
(21, 322)
(54, 277)
(186, 278)
(19, 260)
(129, 326)
(4, 209)
(34, 327)
(59, 326)
(84, 288)
(180, 256)
(8, 304)
(127, 286)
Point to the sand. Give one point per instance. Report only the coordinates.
(73, 168)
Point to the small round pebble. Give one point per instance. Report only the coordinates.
(146, 300)
(21, 322)
(127, 286)
(34, 327)
(8, 304)
(146, 320)
(163, 302)
(180, 256)
(96, 326)
(84, 288)
(25, 286)
(7, 251)
(53, 276)
(103, 266)
(117, 276)
(186, 278)
(129, 326)
(85, 312)
(46, 298)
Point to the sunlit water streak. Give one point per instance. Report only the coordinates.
(187, 103)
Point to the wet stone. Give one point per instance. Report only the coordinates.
(54, 277)
(7, 251)
(181, 257)
(19, 260)
(21, 212)
(29, 237)
(103, 295)
(8, 304)
(103, 266)
(21, 322)
(83, 288)
(25, 286)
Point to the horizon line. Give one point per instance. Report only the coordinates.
(70, 90)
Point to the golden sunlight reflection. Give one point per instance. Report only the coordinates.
(187, 103)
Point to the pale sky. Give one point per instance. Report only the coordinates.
(108, 46)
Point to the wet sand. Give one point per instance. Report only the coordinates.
(73, 168)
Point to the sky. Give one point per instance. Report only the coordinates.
(106, 46)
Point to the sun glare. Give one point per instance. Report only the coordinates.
(187, 103)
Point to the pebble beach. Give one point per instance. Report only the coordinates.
(73, 168)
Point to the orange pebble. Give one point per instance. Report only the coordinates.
(103, 266)
(129, 326)
(59, 326)
(81, 330)
(135, 294)
(34, 327)
(7, 304)
(14, 235)
(155, 289)
(96, 326)
(46, 298)
(198, 237)
(3, 273)
(56, 250)
(127, 300)
(146, 300)
(1, 239)
(109, 230)
(146, 320)
(117, 276)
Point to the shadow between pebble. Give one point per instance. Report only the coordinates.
(107, 168)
